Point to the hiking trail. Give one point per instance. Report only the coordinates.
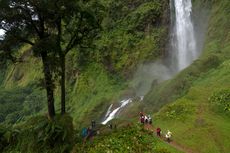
(172, 143)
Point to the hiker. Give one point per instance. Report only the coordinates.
(149, 119)
(146, 119)
(90, 134)
(110, 126)
(93, 124)
(168, 136)
(158, 132)
(142, 119)
(84, 134)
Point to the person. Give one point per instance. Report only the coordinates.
(146, 119)
(168, 136)
(84, 134)
(90, 134)
(93, 124)
(158, 132)
(142, 119)
(149, 119)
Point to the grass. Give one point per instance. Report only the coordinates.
(205, 128)
(17, 74)
(127, 139)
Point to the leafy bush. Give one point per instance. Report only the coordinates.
(178, 110)
(13, 117)
(18, 103)
(40, 134)
(3, 140)
(221, 98)
(35, 102)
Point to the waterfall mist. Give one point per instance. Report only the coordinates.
(187, 32)
(147, 75)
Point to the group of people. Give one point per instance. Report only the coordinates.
(93, 130)
(147, 120)
(90, 132)
(168, 135)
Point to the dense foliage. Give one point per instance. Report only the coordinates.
(222, 98)
(37, 135)
(19, 103)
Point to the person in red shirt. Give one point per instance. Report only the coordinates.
(158, 132)
(142, 119)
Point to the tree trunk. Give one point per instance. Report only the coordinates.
(63, 94)
(48, 84)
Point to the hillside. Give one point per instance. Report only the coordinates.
(198, 112)
(194, 103)
(97, 77)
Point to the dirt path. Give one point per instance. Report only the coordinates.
(172, 143)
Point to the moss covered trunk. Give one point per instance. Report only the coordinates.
(63, 85)
(48, 84)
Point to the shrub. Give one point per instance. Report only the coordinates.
(221, 98)
(178, 111)
(3, 140)
(40, 134)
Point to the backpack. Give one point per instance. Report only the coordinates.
(84, 132)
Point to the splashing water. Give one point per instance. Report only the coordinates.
(108, 111)
(112, 115)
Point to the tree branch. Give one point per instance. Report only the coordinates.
(27, 11)
(26, 41)
(74, 37)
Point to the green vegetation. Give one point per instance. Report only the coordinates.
(222, 99)
(95, 77)
(216, 51)
(197, 122)
(39, 134)
(194, 105)
(128, 139)
(114, 58)
(19, 103)
(92, 92)
(198, 112)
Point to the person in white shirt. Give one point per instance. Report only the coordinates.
(168, 136)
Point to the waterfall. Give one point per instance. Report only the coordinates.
(183, 42)
(108, 111)
(112, 114)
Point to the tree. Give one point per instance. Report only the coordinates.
(52, 28)
(76, 27)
